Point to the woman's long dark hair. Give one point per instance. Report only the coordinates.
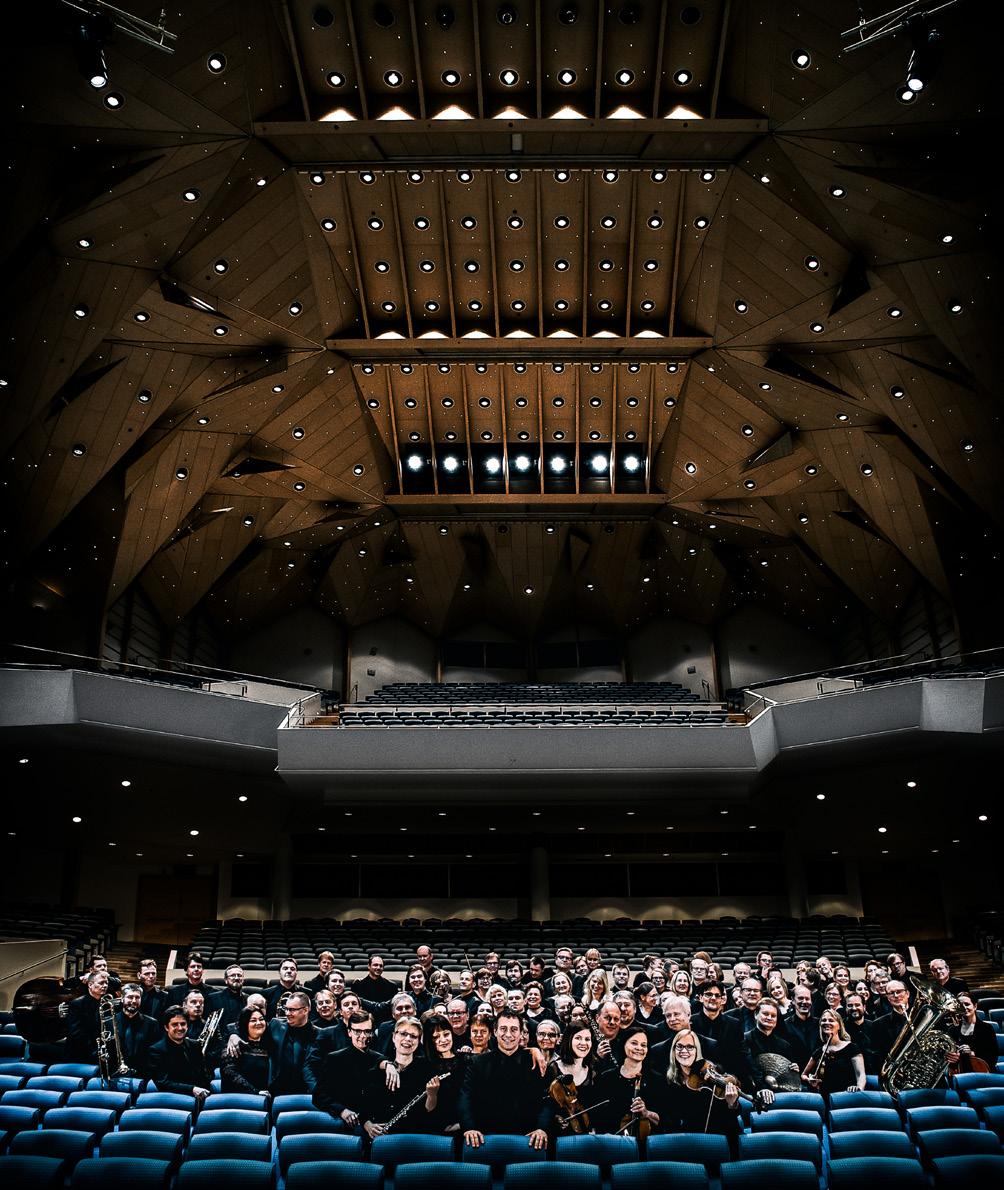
(565, 1052)
(432, 1021)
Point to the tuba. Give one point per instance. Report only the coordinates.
(918, 1058)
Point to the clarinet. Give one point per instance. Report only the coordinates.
(409, 1105)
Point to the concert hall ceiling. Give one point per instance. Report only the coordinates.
(535, 313)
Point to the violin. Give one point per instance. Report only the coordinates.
(629, 1120)
(710, 1078)
(566, 1095)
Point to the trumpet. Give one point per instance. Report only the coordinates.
(108, 1043)
(209, 1031)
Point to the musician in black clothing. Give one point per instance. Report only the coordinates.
(339, 1076)
(194, 983)
(373, 985)
(943, 977)
(383, 1040)
(712, 1021)
(684, 1107)
(289, 1041)
(288, 982)
(503, 1090)
(417, 987)
(383, 1102)
(136, 1033)
(765, 1038)
(975, 1038)
(82, 1024)
(232, 999)
(859, 1030)
(154, 998)
(800, 1028)
(325, 965)
(886, 1028)
(177, 1064)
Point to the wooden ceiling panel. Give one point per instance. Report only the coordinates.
(703, 236)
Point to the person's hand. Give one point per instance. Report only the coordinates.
(374, 1130)
(731, 1095)
(350, 1117)
(637, 1106)
(200, 1092)
(952, 1057)
(233, 1046)
(539, 1061)
(537, 1138)
(465, 1049)
(392, 1077)
(474, 1138)
(603, 1049)
(965, 1049)
(766, 1097)
(854, 1088)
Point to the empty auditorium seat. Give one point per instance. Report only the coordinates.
(928, 1097)
(69, 1147)
(141, 1173)
(870, 1143)
(283, 1103)
(870, 1173)
(602, 1150)
(42, 1100)
(345, 1175)
(32, 1173)
(707, 1149)
(923, 1119)
(74, 1069)
(243, 1146)
(856, 1119)
(500, 1150)
(442, 1175)
(769, 1175)
(971, 1172)
(116, 1101)
(224, 1174)
(781, 1146)
(255, 1123)
(81, 1119)
(156, 1119)
(657, 1175)
(779, 1120)
(325, 1146)
(155, 1146)
(223, 1100)
(290, 1123)
(841, 1099)
(955, 1142)
(169, 1099)
(408, 1148)
(552, 1175)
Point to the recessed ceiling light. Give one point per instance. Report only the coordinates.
(432, 305)
(608, 221)
(223, 264)
(374, 223)
(658, 175)
(84, 243)
(817, 328)
(655, 222)
(335, 78)
(749, 484)
(748, 431)
(669, 402)
(605, 265)
(557, 367)
(955, 306)
(947, 238)
(317, 178)
(144, 396)
(605, 305)
(610, 175)
(388, 307)
(801, 59)
(113, 100)
(427, 266)
(906, 94)
(517, 266)
(509, 77)
(647, 305)
(811, 469)
(672, 366)
(422, 223)
(481, 369)
(451, 77)
(512, 175)
(838, 191)
(650, 266)
(465, 176)
(812, 263)
(76, 818)
(741, 306)
(518, 305)
(299, 433)
(415, 175)
(471, 266)
(682, 77)
(820, 797)
(690, 468)
(566, 77)
(299, 486)
(624, 77)
(803, 518)
(221, 330)
(202, 421)
(561, 305)
(181, 473)
(867, 469)
(261, 181)
(474, 305)
(765, 179)
(561, 265)
(561, 175)
(515, 222)
(895, 312)
(967, 445)
(367, 369)
(248, 521)
(382, 266)
(701, 222)
(393, 78)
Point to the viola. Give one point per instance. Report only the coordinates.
(711, 1078)
(566, 1095)
(629, 1120)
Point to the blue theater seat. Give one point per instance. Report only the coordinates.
(43, 1100)
(11, 1082)
(923, 1119)
(55, 1082)
(292, 1123)
(81, 1119)
(978, 1171)
(409, 1147)
(603, 1150)
(871, 1144)
(11, 1047)
(74, 1069)
(156, 1119)
(658, 1175)
(170, 1099)
(442, 1175)
(141, 1173)
(841, 1099)
(781, 1146)
(225, 1100)
(982, 1097)
(154, 1146)
(707, 1149)
(32, 1173)
(135, 1086)
(769, 1175)
(26, 1069)
(857, 1119)
(343, 1175)
(235, 1145)
(225, 1175)
(19, 1119)
(964, 1082)
(256, 1123)
(501, 1150)
(324, 1146)
(116, 1101)
(928, 1097)
(956, 1142)
(877, 1173)
(774, 1120)
(800, 1101)
(70, 1147)
(994, 1117)
(552, 1175)
(283, 1103)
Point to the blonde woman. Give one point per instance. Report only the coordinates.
(838, 1064)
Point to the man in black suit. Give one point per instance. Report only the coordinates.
(154, 998)
(886, 1028)
(713, 1022)
(289, 1042)
(859, 1029)
(503, 1091)
(676, 1018)
(175, 1063)
(373, 985)
(943, 977)
(800, 1028)
(232, 998)
(342, 1075)
(137, 1033)
(288, 982)
(750, 994)
(82, 1024)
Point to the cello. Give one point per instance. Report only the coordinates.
(39, 1008)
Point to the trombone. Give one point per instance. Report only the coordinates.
(108, 1043)
(212, 1024)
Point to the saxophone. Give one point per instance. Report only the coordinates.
(918, 1055)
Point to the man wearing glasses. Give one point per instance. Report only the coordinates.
(503, 1090)
(712, 1021)
(342, 1075)
(459, 1017)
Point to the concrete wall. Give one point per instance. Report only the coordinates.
(483, 632)
(395, 651)
(755, 645)
(665, 649)
(303, 646)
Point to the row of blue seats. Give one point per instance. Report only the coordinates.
(963, 1172)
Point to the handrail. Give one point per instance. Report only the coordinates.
(766, 704)
(60, 954)
(296, 716)
(164, 673)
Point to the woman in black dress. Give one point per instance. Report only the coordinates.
(383, 1101)
(838, 1064)
(629, 1090)
(439, 1042)
(688, 1102)
(570, 1078)
(247, 1070)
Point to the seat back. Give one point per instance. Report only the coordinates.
(769, 1174)
(245, 1146)
(323, 1175)
(780, 1120)
(156, 1119)
(781, 1146)
(870, 1144)
(552, 1175)
(891, 1173)
(212, 1175)
(223, 1100)
(232, 1120)
(116, 1101)
(708, 1149)
(95, 1173)
(33, 1173)
(501, 1150)
(969, 1171)
(657, 1175)
(70, 1147)
(407, 1147)
(857, 1119)
(923, 1119)
(603, 1151)
(291, 1123)
(954, 1142)
(442, 1175)
(157, 1146)
(325, 1146)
